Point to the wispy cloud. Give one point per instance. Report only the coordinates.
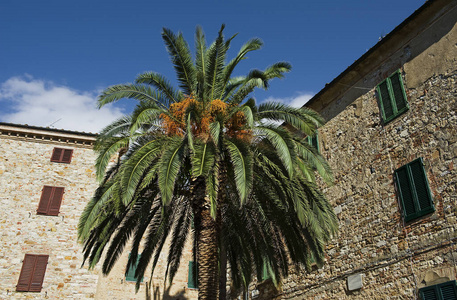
(297, 101)
(40, 103)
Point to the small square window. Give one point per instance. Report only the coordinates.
(61, 155)
(392, 97)
(413, 190)
(442, 291)
(130, 272)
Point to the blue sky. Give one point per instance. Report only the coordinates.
(56, 56)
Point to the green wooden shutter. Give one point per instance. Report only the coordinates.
(398, 92)
(192, 279)
(421, 184)
(405, 191)
(385, 101)
(414, 191)
(313, 141)
(448, 290)
(442, 291)
(130, 273)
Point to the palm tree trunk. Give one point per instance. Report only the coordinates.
(207, 250)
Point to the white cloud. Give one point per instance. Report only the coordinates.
(297, 101)
(40, 103)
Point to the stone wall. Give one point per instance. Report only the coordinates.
(395, 259)
(25, 167)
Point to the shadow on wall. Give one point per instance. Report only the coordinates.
(166, 295)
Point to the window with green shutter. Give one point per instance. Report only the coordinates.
(413, 190)
(313, 141)
(392, 97)
(192, 279)
(442, 291)
(130, 272)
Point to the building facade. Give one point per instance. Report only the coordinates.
(391, 139)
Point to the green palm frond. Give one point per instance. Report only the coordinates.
(162, 85)
(136, 163)
(215, 61)
(203, 159)
(241, 160)
(170, 163)
(312, 158)
(181, 58)
(278, 138)
(106, 149)
(130, 91)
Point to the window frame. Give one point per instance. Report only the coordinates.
(392, 100)
(418, 212)
(61, 157)
(32, 280)
(437, 288)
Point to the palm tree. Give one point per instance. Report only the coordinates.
(206, 152)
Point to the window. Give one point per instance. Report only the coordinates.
(413, 190)
(442, 291)
(61, 155)
(313, 141)
(130, 272)
(51, 198)
(192, 279)
(392, 97)
(32, 273)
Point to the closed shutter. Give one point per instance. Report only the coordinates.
(45, 199)
(405, 189)
(61, 155)
(398, 91)
(131, 270)
(28, 265)
(55, 202)
(442, 291)
(56, 154)
(192, 280)
(414, 192)
(421, 185)
(386, 105)
(32, 273)
(50, 201)
(448, 290)
(66, 157)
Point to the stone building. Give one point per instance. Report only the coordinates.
(47, 176)
(391, 139)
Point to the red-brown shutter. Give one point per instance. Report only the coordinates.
(66, 156)
(56, 154)
(55, 202)
(38, 274)
(28, 266)
(45, 199)
(61, 155)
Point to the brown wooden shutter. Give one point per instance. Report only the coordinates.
(38, 274)
(56, 200)
(66, 156)
(28, 266)
(56, 154)
(45, 199)
(32, 273)
(61, 155)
